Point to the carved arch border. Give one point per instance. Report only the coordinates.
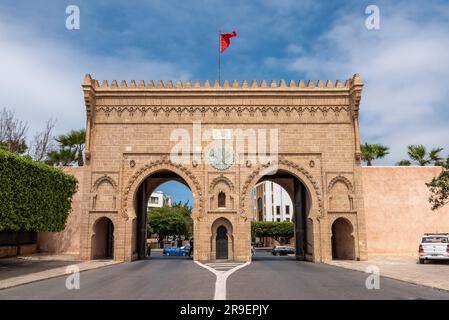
(216, 180)
(302, 174)
(144, 172)
(107, 178)
(343, 179)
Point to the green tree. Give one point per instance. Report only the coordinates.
(418, 153)
(70, 149)
(12, 132)
(371, 152)
(274, 229)
(175, 221)
(62, 157)
(404, 163)
(439, 187)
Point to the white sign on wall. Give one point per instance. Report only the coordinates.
(221, 134)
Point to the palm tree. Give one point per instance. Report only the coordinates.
(419, 154)
(371, 152)
(61, 157)
(404, 163)
(73, 142)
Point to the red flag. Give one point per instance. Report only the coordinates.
(225, 40)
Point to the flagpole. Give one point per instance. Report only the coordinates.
(219, 58)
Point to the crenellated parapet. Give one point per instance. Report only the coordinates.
(225, 85)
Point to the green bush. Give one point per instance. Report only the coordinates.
(33, 195)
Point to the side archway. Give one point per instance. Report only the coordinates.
(103, 239)
(343, 242)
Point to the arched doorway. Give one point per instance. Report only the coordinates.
(222, 240)
(103, 239)
(343, 244)
(144, 200)
(222, 243)
(296, 210)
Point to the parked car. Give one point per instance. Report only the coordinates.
(434, 246)
(175, 251)
(282, 250)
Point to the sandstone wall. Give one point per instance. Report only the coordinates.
(397, 210)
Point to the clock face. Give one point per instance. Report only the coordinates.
(221, 157)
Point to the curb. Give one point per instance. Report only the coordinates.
(53, 273)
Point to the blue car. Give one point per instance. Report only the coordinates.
(175, 251)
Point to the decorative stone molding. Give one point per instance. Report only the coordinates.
(289, 166)
(342, 179)
(104, 178)
(216, 180)
(228, 110)
(145, 171)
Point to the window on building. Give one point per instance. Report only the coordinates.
(221, 200)
(287, 219)
(278, 209)
(154, 200)
(278, 219)
(287, 209)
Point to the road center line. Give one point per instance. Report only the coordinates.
(221, 277)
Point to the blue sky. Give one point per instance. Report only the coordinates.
(177, 191)
(404, 65)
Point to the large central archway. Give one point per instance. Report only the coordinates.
(301, 201)
(141, 198)
(306, 200)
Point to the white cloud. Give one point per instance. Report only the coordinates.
(41, 78)
(405, 68)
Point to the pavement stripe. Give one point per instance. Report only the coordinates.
(222, 271)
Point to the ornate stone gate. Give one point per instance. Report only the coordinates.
(132, 130)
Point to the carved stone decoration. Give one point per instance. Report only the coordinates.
(342, 179)
(153, 166)
(217, 180)
(132, 163)
(104, 190)
(290, 166)
(341, 194)
(103, 178)
(312, 163)
(323, 110)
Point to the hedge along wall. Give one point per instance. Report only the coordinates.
(33, 195)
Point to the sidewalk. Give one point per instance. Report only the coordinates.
(26, 269)
(403, 268)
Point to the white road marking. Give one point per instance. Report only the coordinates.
(222, 271)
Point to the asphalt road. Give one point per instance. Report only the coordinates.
(267, 277)
(284, 278)
(160, 277)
